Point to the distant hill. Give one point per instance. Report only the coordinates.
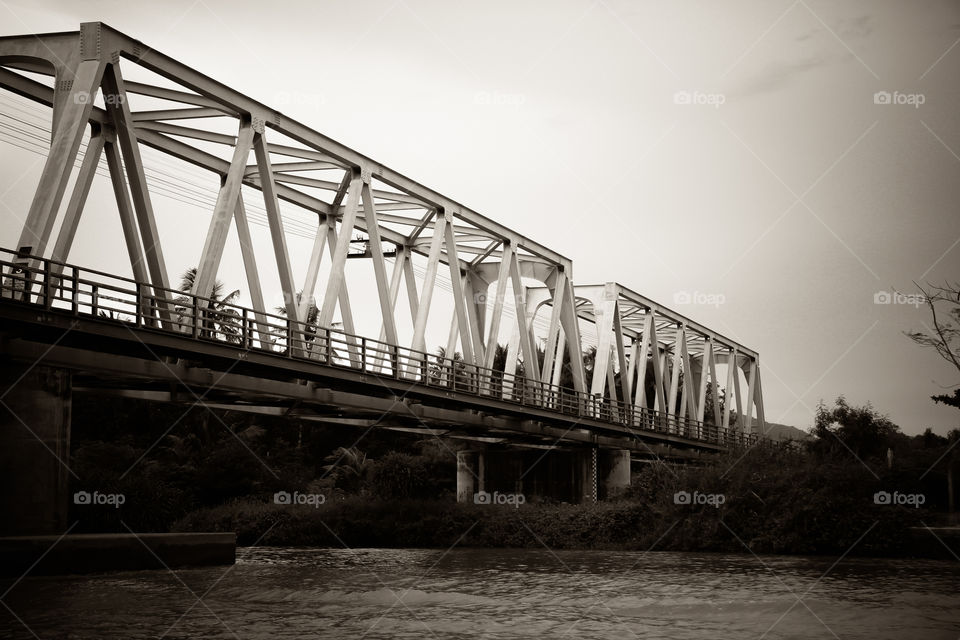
(776, 431)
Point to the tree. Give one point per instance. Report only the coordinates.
(399, 475)
(442, 367)
(944, 305)
(310, 322)
(862, 430)
(708, 414)
(218, 317)
(348, 468)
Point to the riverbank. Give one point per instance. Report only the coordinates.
(734, 527)
(764, 501)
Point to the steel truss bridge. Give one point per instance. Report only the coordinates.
(654, 374)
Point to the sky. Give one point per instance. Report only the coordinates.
(744, 153)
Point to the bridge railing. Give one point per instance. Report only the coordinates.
(87, 292)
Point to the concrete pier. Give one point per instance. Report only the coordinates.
(34, 449)
(35, 490)
(614, 465)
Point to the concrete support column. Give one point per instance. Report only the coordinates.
(34, 449)
(614, 471)
(588, 475)
(468, 476)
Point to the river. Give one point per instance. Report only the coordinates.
(274, 593)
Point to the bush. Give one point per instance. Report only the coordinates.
(399, 476)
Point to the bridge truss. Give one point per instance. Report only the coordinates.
(406, 229)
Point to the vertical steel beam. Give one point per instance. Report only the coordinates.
(426, 291)
(338, 256)
(410, 281)
(224, 213)
(346, 311)
(277, 233)
(115, 98)
(603, 312)
(666, 365)
(571, 329)
(632, 366)
(127, 221)
(626, 383)
(71, 220)
(611, 377)
(761, 418)
(250, 268)
(66, 137)
(559, 293)
(510, 366)
(395, 276)
(736, 390)
(640, 393)
(379, 265)
(531, 366)
(751, 390)
(690, 403)
(705, 359)
(456, 281)
(307, 293)
(494, 329)
(558, 360)
(675, 370)
(476, 312)
(715, 386)
(731, 381)
(659, 357)
(450, 350)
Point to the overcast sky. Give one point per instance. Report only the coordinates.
(782, 190)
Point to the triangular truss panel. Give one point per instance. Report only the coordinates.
(649, 358)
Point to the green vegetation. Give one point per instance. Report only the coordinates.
(219, 471)
(777, 501)
(191, 468)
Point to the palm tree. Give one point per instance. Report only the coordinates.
(217, 313)
(311, 325)
(440, 369)
(310, 322)
(589, 360)
(348, 468)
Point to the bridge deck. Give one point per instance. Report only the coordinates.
(110, 330)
